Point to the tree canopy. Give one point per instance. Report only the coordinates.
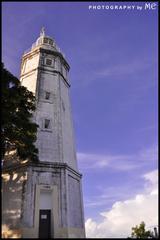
(18, 130)
(140, 232)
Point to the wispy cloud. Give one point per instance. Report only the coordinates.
(129, 67)
(107, 196)
(118, 162)
(97, 161)
(126, 68)
(148, 128)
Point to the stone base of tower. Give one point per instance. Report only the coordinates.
(60, 233)
(42, 198)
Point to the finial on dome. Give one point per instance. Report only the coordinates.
(42, 32)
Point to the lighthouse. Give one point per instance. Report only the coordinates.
(48, 202)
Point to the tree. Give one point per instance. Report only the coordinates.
(140, 232)
(18, 130)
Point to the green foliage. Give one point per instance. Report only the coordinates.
(18, 105)
(140, 232)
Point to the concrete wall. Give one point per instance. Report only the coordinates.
(69, 154)
(48, 139)
(74, 200)
(29, 71)
(57, 143)
(22, 190)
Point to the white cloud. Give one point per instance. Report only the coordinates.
(118, 221)
(152, 182)
(119, 162)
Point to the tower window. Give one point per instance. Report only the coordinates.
(45, 40)
(50, 42)
(47, 124)
(47, 95)
(48, 61)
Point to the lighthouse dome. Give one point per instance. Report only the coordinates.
(45, 41)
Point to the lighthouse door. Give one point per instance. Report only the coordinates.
(44, 223)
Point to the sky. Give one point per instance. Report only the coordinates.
(113, 55)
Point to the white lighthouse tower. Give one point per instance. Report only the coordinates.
(49, 198)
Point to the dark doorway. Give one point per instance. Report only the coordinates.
(45, 224)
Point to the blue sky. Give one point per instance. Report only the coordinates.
(113, 58)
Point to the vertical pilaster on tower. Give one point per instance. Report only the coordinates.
(48, 200)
